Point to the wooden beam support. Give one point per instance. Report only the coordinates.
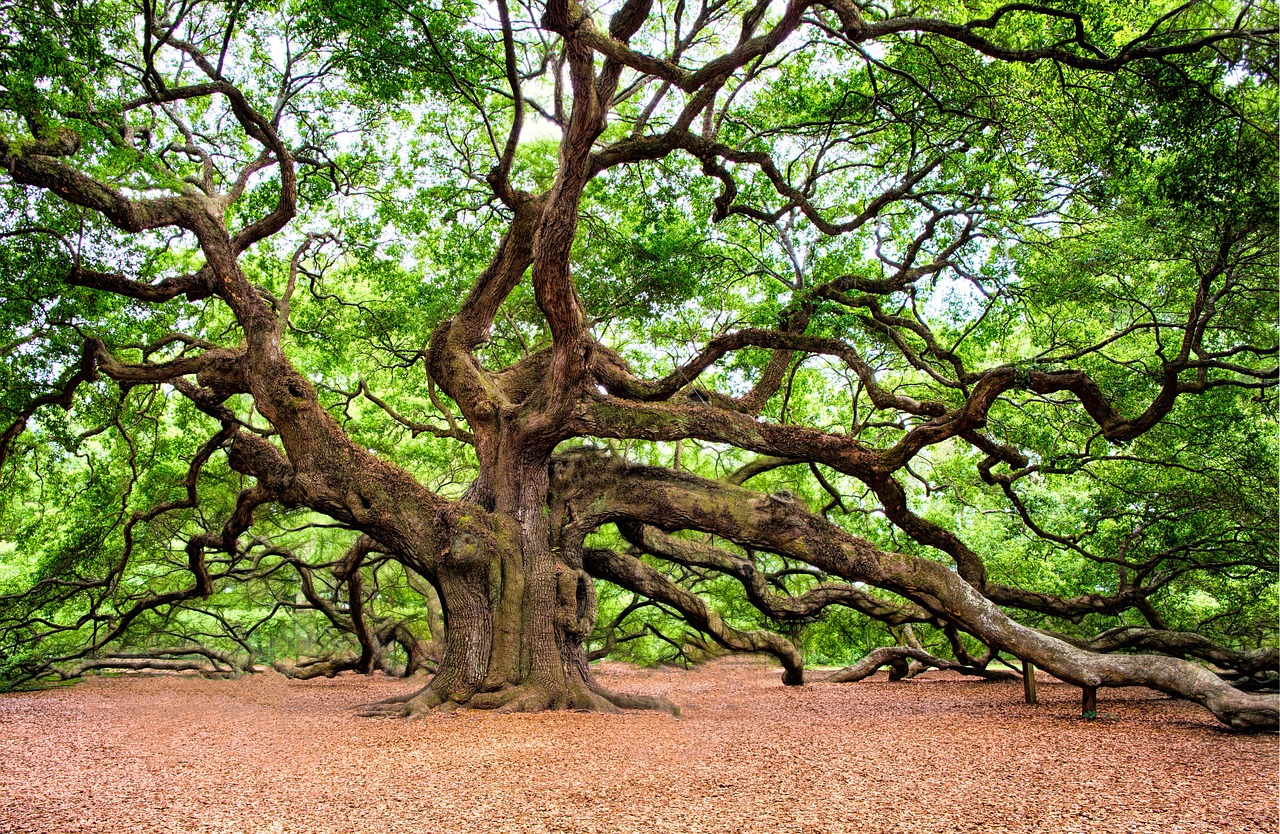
(1089, 702)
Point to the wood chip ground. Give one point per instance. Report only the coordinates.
(933, 754)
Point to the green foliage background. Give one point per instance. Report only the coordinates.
(1098, 198)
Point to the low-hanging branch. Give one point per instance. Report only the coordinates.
(904, 262)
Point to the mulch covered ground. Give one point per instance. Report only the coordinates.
(934, 754)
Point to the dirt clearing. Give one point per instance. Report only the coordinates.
(933, 754)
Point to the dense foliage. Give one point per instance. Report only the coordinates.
(301, 302)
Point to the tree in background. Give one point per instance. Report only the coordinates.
(958, 318)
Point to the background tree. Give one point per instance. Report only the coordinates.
(960, 318)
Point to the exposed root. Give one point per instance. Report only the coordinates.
(394, 707)
(513, 698)
(380, 710)
(527, 697)
(634, 701)
(510, 699)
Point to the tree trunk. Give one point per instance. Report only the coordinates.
(516, 615)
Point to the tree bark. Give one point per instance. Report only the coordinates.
(610, 490)
(517, 611)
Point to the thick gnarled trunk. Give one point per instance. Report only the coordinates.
(517, 613)
(509, 648)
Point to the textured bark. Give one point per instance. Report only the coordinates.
(507, 563)
(610, 490)
(636, 576)
(517, 609)
(896, 657)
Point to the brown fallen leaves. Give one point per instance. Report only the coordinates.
(934, 754)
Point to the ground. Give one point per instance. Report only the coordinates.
(933, 754)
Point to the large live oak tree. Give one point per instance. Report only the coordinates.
(881, 248)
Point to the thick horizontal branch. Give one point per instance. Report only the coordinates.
(38, 164)
(1184, 644)
(611, 491)
(194, 286)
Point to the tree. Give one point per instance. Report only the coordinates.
(993, 285)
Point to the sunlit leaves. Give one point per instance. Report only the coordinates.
(940, 212)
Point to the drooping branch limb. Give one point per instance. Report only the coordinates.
(1115, 427)
(1183, 644)
(418, 533)
(634, 575)
(216, 663)
(202, 585)
(617, 417)
(1137, 50)
(143, 663)
(877, 659)
(372, 633)
(620, 383)
(349, 571)
(874, 467)
(1074, 607)
(756, 583)
(613, 490)
(344, 621)
(610, 629)
(86, 371)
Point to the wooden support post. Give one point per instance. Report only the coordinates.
(1029, 681)
(1089, 702)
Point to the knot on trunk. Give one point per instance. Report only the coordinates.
(575, 613)
(224, 374)
(569, 468)
(465, 551)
